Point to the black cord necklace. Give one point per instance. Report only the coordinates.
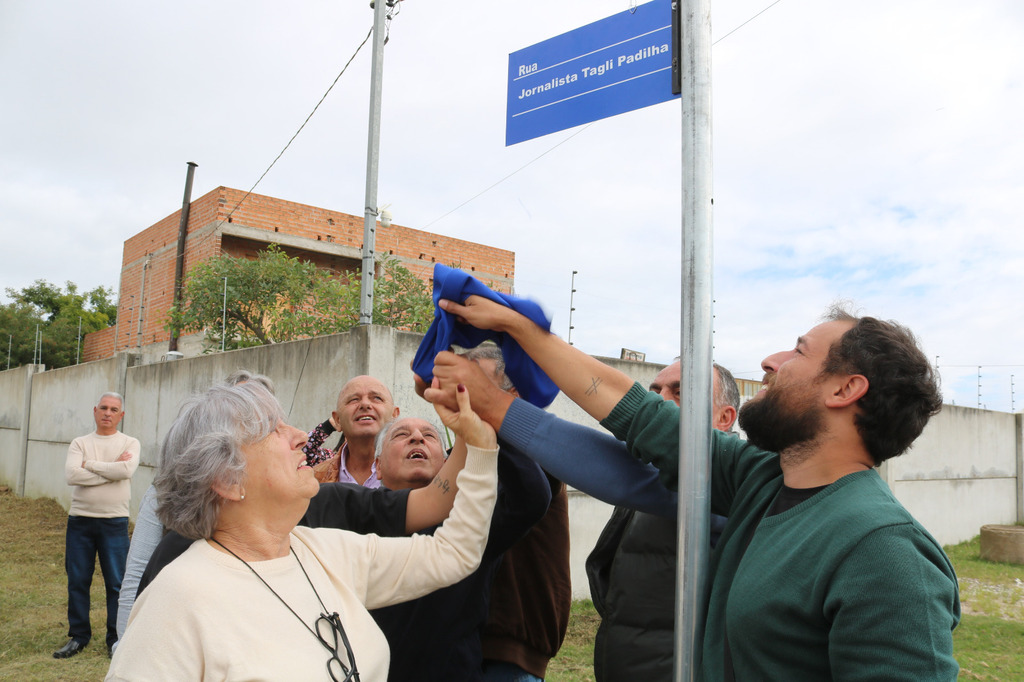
(333, 619)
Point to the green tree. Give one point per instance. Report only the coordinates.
(276, 297)
(58, 313)
(400, 298)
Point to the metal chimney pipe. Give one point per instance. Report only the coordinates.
(179, 263)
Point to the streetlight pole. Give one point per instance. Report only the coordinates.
(380, 8)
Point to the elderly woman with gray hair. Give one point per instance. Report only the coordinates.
(255, 597)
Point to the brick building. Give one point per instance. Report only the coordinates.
(330, 239)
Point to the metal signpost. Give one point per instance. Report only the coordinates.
(695, 346)
(615, 65)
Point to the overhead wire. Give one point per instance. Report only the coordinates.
(335, 82)
(746, 22)
(527, 164)
(397, 5)
(551, 149)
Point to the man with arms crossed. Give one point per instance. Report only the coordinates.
(99, 468)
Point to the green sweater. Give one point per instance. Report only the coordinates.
(844, 586)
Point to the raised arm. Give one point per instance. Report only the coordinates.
(431, 504)
(314, 450)
(589, 460)
(585, 458)
(457, 546)
(588, 382)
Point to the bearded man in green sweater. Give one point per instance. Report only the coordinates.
(820, 573)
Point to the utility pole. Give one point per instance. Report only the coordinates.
(380, 10)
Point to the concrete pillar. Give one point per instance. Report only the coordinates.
(125, 359)
(1020, 465)
(30, 371)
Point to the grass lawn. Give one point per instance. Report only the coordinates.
(989, 644)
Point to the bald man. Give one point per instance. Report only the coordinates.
(364, 406)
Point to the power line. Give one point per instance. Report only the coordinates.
(976, 365)
(746, 22)
(303, 124)
(529, 163)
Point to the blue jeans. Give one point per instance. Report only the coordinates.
(500, 671)
(86, 538)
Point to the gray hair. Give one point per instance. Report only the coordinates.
(378, 443)
(204, 448)
(240, 376)
(489, 351)
(728, 392)
(111, 394)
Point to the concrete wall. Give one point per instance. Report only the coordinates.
(964, 471)
(15, 396)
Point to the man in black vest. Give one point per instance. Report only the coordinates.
(632, 569)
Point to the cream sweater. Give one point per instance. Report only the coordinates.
(207, 617)
(100, 486)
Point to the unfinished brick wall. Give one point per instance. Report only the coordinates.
(147, 266)
(98, 344)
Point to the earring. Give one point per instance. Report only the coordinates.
(243, 496)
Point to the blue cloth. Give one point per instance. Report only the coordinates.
(531, 382)
(86, 538)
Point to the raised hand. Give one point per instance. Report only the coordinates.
(484, 313)
(466, 423)
(450, 370)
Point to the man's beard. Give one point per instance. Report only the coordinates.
(774, 423)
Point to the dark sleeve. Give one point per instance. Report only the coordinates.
(523, 498)
(170, 548)
(361, 510)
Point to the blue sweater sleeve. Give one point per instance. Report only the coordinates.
(649, 426)
(588, 460)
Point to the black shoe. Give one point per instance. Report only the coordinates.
(110, 651)
(70, 649)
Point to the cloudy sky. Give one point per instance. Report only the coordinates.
(868, 151)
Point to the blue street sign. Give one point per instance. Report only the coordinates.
(615, 65)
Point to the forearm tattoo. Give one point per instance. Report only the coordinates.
(594, 383)
(442, 484)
